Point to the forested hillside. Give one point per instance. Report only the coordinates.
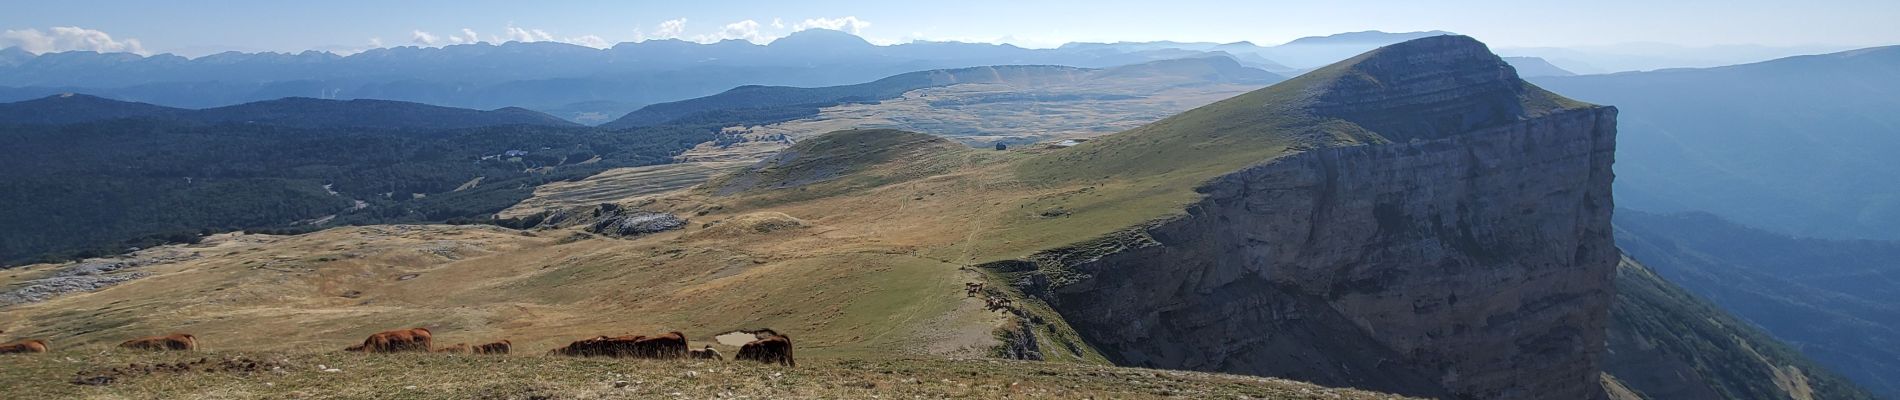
(84, 189)
(96, 188)
(1834, 300)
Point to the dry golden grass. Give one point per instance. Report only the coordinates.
(291, 375)
(620, 185)
(475, 284)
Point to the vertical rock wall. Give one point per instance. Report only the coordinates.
(1476, 265)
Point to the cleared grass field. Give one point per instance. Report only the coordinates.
(619, 185)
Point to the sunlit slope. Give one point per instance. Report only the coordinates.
(1355, 101)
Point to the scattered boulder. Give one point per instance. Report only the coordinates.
(612, 220)
(637, 223)
(92, 275)
(39, 290)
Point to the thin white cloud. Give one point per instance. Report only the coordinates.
(670, 29)
(747, 30)
(424, 38)
(375, 42)
(68, 38)
(778, 24)
(524, 35)
(589, 41)
(510, 33)
(847, 23)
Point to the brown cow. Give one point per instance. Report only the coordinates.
(24, 346)
(600, 346)
(670, 345)
(771, 347)
(415, 339)
(175, 341)
(500, 347)
(458, 348)
(666, 346)
(707, 353)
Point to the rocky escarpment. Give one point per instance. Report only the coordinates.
(1471, 259)
(611, 220)
(90, 275)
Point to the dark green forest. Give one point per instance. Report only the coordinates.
(98, 188)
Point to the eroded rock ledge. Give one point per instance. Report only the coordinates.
(1472, 266)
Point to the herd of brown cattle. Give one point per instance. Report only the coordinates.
(770, 347)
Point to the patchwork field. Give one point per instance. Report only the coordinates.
(620, 185)
(981, 114)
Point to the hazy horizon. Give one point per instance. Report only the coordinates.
(210, 27)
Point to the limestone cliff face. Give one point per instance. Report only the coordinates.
(1472, 260)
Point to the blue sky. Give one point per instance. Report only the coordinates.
(201, 27)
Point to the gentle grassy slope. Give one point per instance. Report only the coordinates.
(326, 290)
(844, 162)
(619, 185)
(421, 376)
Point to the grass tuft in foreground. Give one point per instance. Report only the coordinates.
(76, 374)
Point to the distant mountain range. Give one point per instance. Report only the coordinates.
(296, 112)
(1209, 69)
(1532, 67)
(588, 85)
(583, 84)
(1800, 145)
(1623, 57)
(1297, 55)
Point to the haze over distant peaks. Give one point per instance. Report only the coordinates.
(1534, 67)
(822, 38)
(1377, 38)
(302, 112)
(574, 82)
(1783, 126)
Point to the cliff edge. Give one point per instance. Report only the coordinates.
(1439, 228)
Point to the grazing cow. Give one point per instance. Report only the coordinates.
(600, 346)
(175, 341)
(771, 347)
(416, 339)
(670, 345)
(707, 353)
(971, 289)
(458, 348)
(24, 346)
(500, 347)
(997, 303)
